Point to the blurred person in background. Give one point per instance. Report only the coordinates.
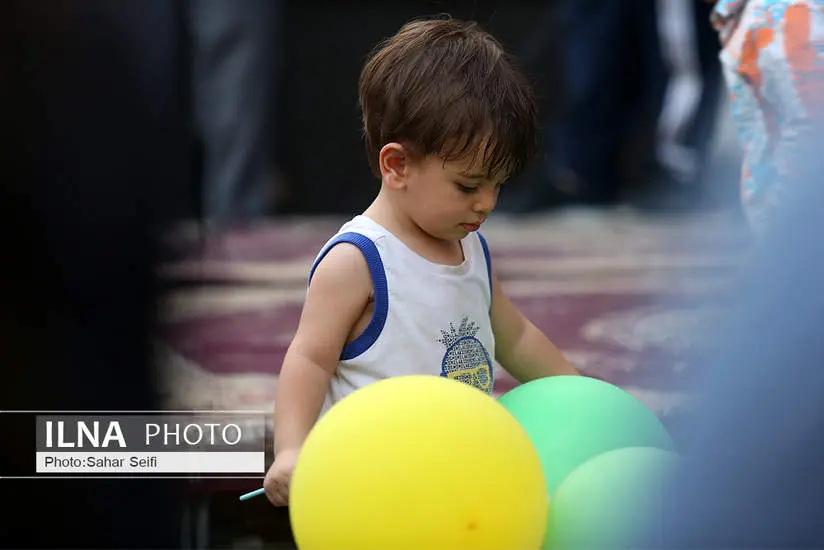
(623, 63)
(236, 51)
(753, 473)
(773, 61)
(610, 68)
(94, 148)
(689, 110)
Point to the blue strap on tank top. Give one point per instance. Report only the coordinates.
(381, 294)
(488, 259)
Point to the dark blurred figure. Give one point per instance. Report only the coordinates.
(689, 110)
(610, 71)
(622, 63)
(753, 476)
(236, 50)
(94, 149)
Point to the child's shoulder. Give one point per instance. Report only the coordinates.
(358, 226)
(341, 260)
(351, 249)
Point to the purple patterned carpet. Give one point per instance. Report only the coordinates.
(623, 297)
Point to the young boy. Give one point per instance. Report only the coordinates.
(407, 287)
(773, 60)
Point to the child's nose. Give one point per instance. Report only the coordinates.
(486, 199)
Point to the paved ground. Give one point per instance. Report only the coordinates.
(624, 297)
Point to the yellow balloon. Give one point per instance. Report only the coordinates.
(418, 462)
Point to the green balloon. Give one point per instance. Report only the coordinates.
(571, 419)
(610, 501)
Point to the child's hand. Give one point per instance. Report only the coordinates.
(277, 480)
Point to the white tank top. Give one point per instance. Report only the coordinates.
(428, 318)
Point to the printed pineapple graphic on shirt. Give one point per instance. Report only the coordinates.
(466, 359)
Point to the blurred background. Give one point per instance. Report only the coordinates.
(631, 97)
(217, 143)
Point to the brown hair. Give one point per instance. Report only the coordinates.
(445, 87)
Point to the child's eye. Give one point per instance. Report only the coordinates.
(465, 188)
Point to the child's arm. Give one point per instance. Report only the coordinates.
(520, 347)
(338, 295)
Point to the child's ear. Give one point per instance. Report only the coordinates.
(394, 162)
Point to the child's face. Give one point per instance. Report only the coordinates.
(449, 200)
